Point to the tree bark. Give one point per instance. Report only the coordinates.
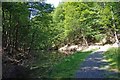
(85, 39)
(116, 38)
(115, 34)
(32, 41)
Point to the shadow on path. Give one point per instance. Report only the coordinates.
(91, 67)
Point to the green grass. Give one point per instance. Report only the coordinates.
(68, 66)
(43, 62)
(113, 57)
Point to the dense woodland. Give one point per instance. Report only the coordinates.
(78, 23)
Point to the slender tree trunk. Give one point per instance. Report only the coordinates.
(32, 41)
(85, 39)
(116, 38)
(10, 34)
(3, 31)
(9, 49)
(16, 37)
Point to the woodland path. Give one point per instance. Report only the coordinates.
(94, 66)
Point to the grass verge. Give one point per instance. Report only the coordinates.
(68, 66)
(113, 57)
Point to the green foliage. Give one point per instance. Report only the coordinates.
(64, 69)
(44, 62)
(86, 20)
(70, 22)
(99, 37)
(15, 26)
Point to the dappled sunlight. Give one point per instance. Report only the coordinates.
(110, 60)
(104, 60)
(70, 49)
(104, 48)
(116, 44)
(90, 68)
(105, 67)
(95, 64)
(54, 41)
(112, 57)
(69, 65)
(114, 63)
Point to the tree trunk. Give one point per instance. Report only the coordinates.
(85, 40)
(3, 31)
(116, 38)
(32, 41)
(16, 37)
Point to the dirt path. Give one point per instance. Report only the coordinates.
(92, 67)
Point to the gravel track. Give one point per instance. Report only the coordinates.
(92, 67)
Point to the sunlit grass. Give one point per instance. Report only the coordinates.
(57, 65)
(68, 66)
(113, 57)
